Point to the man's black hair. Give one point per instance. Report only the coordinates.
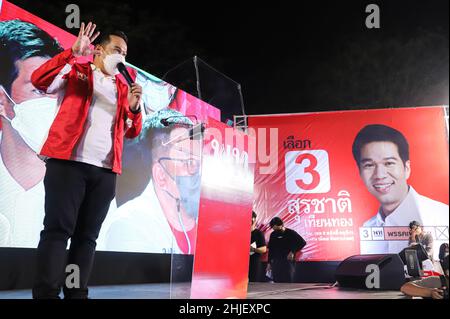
(276, 221)
(380, 133)
(105, 38)
(414, 223)
(20, 40)
(253, 214)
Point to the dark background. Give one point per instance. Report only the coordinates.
(288, 56)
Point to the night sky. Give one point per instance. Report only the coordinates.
(314, 56)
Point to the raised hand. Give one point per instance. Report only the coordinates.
(86, 36)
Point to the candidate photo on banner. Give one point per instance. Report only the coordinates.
(26, 113)
(351, 182)
(382, 156)
(163, 170)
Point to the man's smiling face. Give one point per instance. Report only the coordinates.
(384, 173)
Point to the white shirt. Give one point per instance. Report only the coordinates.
(21, 211)
(428, 212)
(139, 226)
(95, 146)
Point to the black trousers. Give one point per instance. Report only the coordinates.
(255, 269)
(282, 270)
(77, 199)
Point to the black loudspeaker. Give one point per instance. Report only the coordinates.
(354, 270)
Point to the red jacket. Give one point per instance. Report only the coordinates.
(67, 127)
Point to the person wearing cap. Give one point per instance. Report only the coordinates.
(417, 236)
(284, 243)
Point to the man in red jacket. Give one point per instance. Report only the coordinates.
(83, 153)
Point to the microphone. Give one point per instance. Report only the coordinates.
(123, 70)
(195, 131)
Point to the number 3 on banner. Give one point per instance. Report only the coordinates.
(309, 169)
(307, 172)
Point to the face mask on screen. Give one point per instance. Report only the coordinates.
(157, 96)
(110, 62)
(33, 119)
(189, 188)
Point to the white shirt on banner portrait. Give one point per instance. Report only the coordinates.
(433, 215)
(21, 211)
(139, 225)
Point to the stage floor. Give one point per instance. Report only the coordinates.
(255, 291)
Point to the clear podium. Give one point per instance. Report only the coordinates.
(212, 217)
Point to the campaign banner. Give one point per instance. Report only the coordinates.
(350, 182)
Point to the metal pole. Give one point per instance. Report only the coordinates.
(197, 75)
